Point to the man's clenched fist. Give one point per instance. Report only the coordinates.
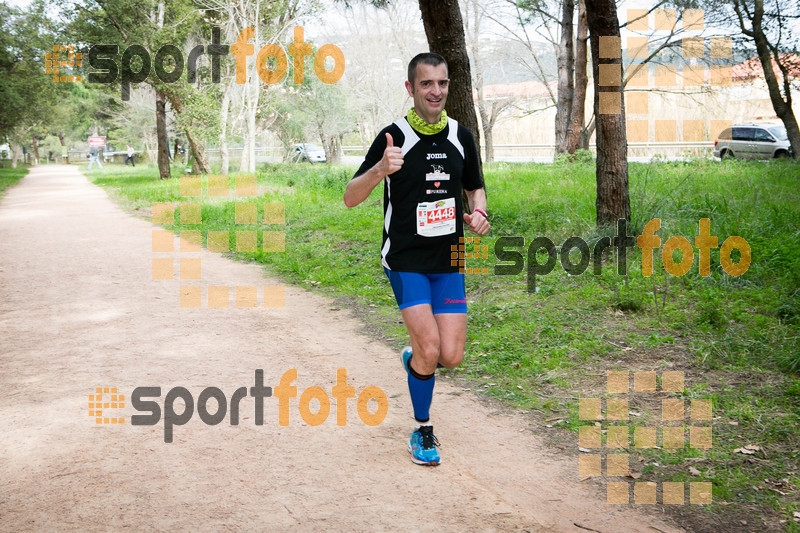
(477, 223)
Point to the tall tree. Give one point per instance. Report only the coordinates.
(136, 122)
(329, 114)
(161, 112)
(754, 22)
(565, 54)
(371, 80)
(577, 135)
(31, 101)
(269, 22)
(310, 110)
(555, 21)
(151, 24)
(489, 110)
(162, 143)
(444, 29)
(114, 22)
(613, 199)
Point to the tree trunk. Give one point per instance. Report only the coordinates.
(484, 114)
(243, 162)
(148, 149)
(223, 133)
(161, 135)
(249, 128)
(488, 141)
(472, 35)
(782, 107)
(576, 126)
(251, 139)
(252, 93)
(363, 136)
(332, 144)
(161, 116)
(444, 30)
(198, 150)
(195, 144)
(15, 149)
(61, 139)
(613, 200)
(35, 150)
(566, 71)
(586, 135)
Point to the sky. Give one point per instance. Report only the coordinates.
(316, 30)
(626, 4)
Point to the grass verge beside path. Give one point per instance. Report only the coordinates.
(9, 177)
(734, 338)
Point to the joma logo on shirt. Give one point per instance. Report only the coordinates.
(436, 156)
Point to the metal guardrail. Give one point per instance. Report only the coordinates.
(513, 151)
(699, 144)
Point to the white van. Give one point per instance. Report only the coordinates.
(753, 141)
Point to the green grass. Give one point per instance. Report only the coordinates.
(736, 338)
(10, 176)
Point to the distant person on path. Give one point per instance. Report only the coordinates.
(93, 157)
(424, 160)
(130, 156)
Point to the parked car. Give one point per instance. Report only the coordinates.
(753, 141)
(308, 152)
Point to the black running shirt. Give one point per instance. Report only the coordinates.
(423, 215)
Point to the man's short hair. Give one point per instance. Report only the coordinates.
(426, 58)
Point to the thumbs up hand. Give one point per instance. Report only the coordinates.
(392, 157)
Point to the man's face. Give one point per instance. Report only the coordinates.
(429, 91)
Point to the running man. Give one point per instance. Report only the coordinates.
(424, 160)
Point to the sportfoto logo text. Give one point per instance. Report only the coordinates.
(648, 242)
(271, 61)
(143, 399)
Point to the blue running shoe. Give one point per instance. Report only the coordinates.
(406, 355)
(422, 447)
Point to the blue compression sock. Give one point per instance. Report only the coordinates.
(421, 389)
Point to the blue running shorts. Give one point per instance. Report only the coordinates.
(444, 292)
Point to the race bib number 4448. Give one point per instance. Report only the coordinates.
(435, 219)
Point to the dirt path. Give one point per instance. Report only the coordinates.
(78, 310)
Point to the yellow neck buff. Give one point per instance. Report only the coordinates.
(420, 126)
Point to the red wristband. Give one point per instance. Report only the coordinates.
(482, 212)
